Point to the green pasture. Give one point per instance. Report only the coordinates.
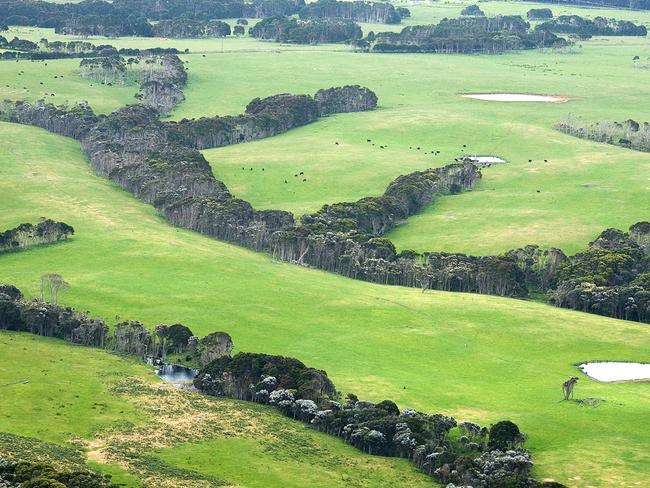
(475, 357)
(68, 401)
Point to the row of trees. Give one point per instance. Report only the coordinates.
(630, 134)
(467, 34)
(187, 28)
(159, 163)
(612, 277)
(631, 4)
(357, 11)
(180, 18)
(473, 456)
(586, 28)
(284, 29)
(25, 49)
(47, 319)
(26, 235)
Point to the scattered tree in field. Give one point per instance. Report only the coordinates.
(567, 387)
(503, 435)
(52, 285)
(214, 346)
(472, 11)
(539, 14)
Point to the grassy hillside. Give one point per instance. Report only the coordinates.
(84, 400)
(476, 357)
(584, 188)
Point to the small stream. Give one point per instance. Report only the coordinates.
(171, 373)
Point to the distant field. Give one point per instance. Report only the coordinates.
(69, 398)
(476, 357)
(584, 188)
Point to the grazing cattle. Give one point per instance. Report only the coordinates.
(336, 143)
(530, 160)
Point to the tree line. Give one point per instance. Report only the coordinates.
(452, 453)
(42, 50)
(29, 474)
(284, 29)
(631, 4)
(179, 18)
(586, 28)
(47, 231)
(47, 319)
(467, 34)
(630, 133)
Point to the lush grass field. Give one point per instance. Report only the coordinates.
(476, 357)
(70, 400)
(584, 188)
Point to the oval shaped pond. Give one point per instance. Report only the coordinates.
(515, 97)
(609, 371)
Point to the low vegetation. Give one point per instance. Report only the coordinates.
(476, 456)
(630, 134)
(283, 29)
(47, 231)
(468, 34)
(586, 28)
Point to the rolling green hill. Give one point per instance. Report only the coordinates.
(475, 357)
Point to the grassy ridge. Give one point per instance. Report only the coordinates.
(70, 397)
(475, 357)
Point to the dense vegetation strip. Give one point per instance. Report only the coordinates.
(28, 474)
(631, 4)
(467, 34)
(284, 29)
(160, 164)
(306, 394)
(180, 18)
(25, 49)
(630, 134)
(26, 235)
(586, 28)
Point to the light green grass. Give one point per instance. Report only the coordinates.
(65, 396)
(476, 357)
(68, 397)
(585, 187)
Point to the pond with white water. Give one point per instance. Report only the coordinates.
(609, 371)
(515, 97)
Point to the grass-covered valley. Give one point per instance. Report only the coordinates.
(477, 358)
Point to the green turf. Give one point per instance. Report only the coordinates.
(476, 357)
(65, 395)
(585, 187)
(68, 400)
